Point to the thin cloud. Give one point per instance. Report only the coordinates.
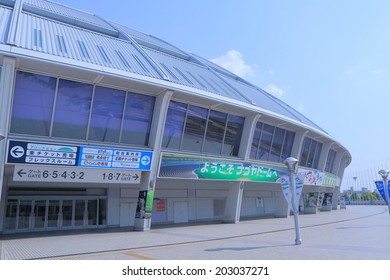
(234, 62)
(275, 90)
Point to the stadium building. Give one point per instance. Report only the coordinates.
(103, 126)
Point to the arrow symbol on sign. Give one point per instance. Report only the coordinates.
(17, 152)
(136, 177)
(145, 160)
(21, 173)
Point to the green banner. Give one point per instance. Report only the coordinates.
(190, 167)
(237, 172)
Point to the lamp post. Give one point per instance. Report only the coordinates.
(292, 166)
(385, 174)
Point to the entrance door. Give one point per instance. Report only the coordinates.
(56, 213)
(53, 213)
(67, 213)
(92, 206)
(25, 207)
(80, 213)
(180, 212)
(39, 214)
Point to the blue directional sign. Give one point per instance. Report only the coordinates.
(381, 189)
(20, 152)
(40, 153)
(101, 157)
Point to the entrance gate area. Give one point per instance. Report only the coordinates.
(55, 213)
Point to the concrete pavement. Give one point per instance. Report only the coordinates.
(359, 232)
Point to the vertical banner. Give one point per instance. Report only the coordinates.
(145, 205)
(149, 204)
(140, 212)
(285, 182)
(299, 180)
(381, 189)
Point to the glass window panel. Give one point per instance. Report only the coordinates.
(33, 104)
(92, 212)
(79, 212)
(312, 150)
(277, 143)
(265, 143)
(317, 155)
(72, 110)
(288, 144)
(107, 111)
(102, 211)
(53, 211)
(25, 208)
(233, 135)
(67, 213)
(215, 132)
(195, 128)
(10, 214)
(39, 213)
(137, 119)
(256, 140)
(174, 125)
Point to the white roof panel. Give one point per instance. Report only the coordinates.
(51, 37)
(5, 19)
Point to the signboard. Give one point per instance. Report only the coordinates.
(36, 153)
(144, 205)
(299, 180)
(185, 167)
(39, 173)
(285, 182)
(93, 157)
(98, 157)
(381, 189)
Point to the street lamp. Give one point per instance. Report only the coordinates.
(385, 174)
(292, 166)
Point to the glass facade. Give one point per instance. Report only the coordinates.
(196, 129)
(53, 107)
(311, 151)
(271, 143)
(33, 104)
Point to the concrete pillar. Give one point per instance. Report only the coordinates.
(6, 91)
(324, 155)
(297, 146)
(233, 202)
(336, 196)
(247, 136)
(148, 181)
(338, 162)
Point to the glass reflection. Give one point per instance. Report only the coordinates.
(72, 110)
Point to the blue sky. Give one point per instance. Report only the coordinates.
(328, 59)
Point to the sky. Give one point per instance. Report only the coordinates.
(328, 59)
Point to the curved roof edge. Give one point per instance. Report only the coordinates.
(49, 29)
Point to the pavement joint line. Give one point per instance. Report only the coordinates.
(208, 240)
(138, 256)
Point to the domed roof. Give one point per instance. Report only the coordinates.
(53, 31)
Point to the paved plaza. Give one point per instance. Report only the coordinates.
(357, 233)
